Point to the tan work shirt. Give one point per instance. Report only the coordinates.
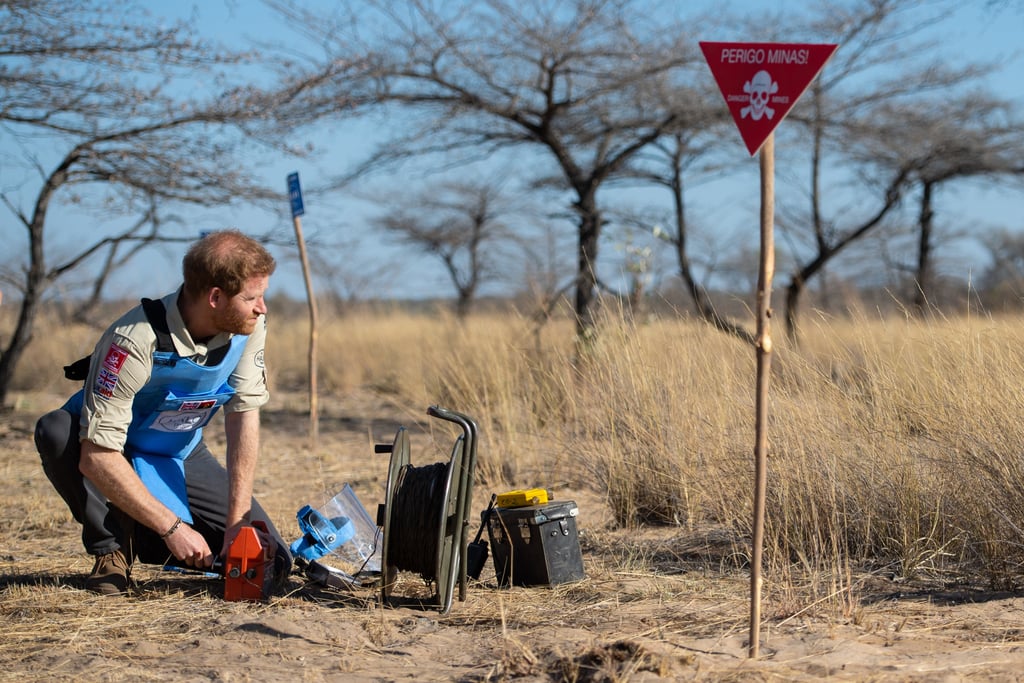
(122, 363)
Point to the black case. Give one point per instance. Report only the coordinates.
(536, 545)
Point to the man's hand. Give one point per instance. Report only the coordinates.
(266, 540)
(114, 476)
(189, 546)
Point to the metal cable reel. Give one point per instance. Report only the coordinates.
(425, 528)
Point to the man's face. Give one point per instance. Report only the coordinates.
(239, 313)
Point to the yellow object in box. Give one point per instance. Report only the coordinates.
(520, 498)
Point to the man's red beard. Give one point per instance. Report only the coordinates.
(235, 322)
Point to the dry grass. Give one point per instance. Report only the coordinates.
(894, 470)
(893, 443)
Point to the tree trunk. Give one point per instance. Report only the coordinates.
(705, 309)
(22, 334)
(586, 277)
(35, 278)
(924, 249)
(463, 303)
(794, 291)
(826, 252)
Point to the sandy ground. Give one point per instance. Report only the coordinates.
(654, 616)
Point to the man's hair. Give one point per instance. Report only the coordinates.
(224, 259)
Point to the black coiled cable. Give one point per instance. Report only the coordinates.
(415, 515)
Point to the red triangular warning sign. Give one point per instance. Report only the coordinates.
(762, 81)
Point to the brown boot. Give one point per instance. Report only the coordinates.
(110, 574)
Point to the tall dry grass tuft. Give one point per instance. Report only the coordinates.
(513, 379)
(909, 457)
(658, 424)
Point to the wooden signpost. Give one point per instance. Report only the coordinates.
(760, 83)
(295, 197)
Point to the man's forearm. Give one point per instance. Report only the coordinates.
(114, 476)
(243, 445)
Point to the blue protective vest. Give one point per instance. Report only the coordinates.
(168, 415)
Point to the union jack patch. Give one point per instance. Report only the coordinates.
(198, 405)
(106, 381)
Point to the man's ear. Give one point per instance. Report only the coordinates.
(215, 297)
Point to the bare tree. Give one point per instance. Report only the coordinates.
(845, 121)
(971, 136)
(581, 82)
(119, 252)
(142, 116)
(932, 144)
(457, 223)
(665, 164)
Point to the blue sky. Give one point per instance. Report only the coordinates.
(976, 31)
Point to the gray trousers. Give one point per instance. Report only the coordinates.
(106, 528)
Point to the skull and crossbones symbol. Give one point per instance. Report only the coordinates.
(759, 88)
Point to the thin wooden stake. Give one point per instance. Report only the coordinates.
(314, 408)
(764, 360)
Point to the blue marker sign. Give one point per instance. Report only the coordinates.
(295, 194)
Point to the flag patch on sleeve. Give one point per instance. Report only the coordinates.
(106, 382)
(107, 376)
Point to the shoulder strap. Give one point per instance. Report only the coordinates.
(157, 316)
(78, 370)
